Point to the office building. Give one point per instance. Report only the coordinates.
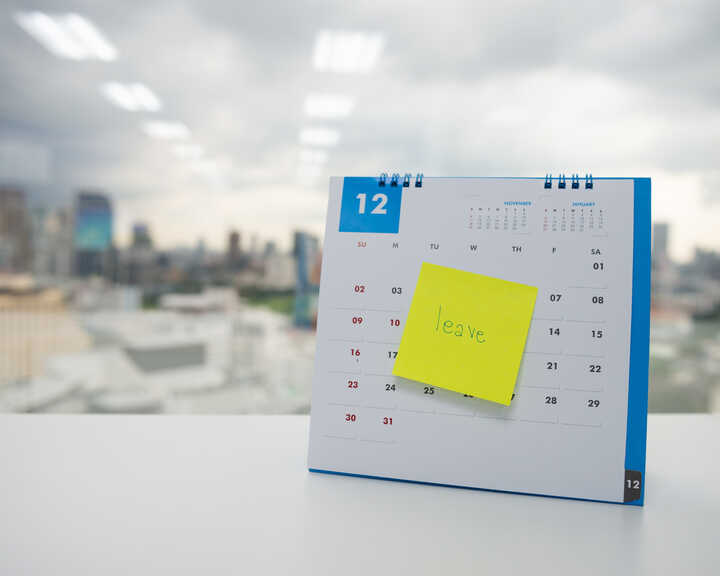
(141, 236)
(306, 250)
(233, 248)
(93, 232)
(15, 231)
(661, 233)
(270, 249)
(53, 244)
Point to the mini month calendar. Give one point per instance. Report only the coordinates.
(576, 424)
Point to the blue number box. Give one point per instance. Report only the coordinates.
(368, 207)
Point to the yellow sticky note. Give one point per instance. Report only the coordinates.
(466, 332)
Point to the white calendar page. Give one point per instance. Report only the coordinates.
(564, 433)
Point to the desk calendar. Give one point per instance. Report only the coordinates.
(576, 424)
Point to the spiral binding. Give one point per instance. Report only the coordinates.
(574, 181)
(562, 180)
(395, 180)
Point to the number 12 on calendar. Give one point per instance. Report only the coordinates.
(375, 212)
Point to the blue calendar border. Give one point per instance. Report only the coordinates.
(423, 482)
(636, 432)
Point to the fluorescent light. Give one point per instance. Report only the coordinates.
(328, 105)
(90, 37)
(67, 36)
(145, 98)
(131, 96)
(189, 151)
(120, 95)
(319, 137)
(308, 156)
(166, 130)
(51, 35)
(343, 51)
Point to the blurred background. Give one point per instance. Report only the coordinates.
(164, 168)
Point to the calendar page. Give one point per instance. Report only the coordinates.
(565, 432)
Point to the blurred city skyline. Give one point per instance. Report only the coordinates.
(86, 325)
(247, 115)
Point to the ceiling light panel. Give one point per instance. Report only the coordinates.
(319, 137)
(51, 35)
(308, 156)
(132, 97)
(166, 130)
(145, 98)
(90, 37)
(328, 105)
(347, 52)
(68, 36)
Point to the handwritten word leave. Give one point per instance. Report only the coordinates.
(457, 329)
(465, 332)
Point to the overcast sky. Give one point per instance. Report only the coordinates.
(466, 88)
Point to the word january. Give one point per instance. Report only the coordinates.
(457, 329)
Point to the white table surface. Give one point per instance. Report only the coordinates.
(206, 495)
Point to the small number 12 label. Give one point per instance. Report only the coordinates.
(368, 207)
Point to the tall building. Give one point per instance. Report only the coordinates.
(233, 249)
(661, 233)
(270, 249)
(141, 237)
(53, 244)
(93, 232)
(306, 250)
(139, 260)
(15, 231)
(664, 272)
